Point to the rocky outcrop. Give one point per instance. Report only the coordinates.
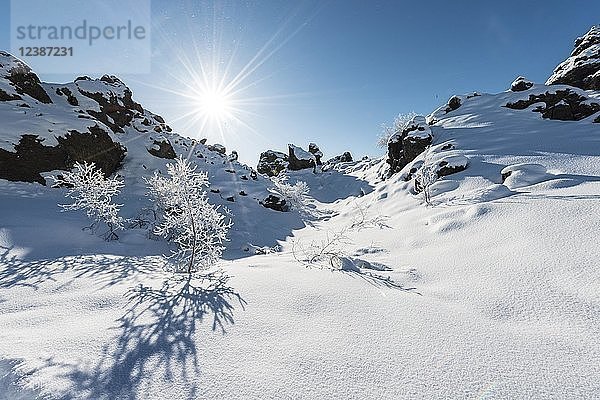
(564, 105)
(94, 146)
(22, 78)
(405, 146)
(162, 148)
(520, 84)
(31, 157)
(298, 158)
(271, 163)
(275, 203)
(342, 158)
(582, 68)
(117, 108)
(315, 151)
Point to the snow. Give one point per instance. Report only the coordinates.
(490, 292)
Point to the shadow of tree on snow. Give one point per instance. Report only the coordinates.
(156, 336)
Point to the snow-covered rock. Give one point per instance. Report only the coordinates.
(558, 102)
(315, 151)
(407, 144)
(582, 68)
(520, 84)
(298, 158)
(271, 162)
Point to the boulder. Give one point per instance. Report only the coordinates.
(453, 103)
(275, 203)
(162, 148)
(271, 163)
(315, 151)
(582, 68)
(298, 158)
(520, 84)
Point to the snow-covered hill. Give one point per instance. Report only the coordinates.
(46, 127)
(491, 291)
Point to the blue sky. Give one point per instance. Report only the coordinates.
(332, 72)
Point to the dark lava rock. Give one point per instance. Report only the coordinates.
(94, 146)
(342, 158)
(315, 151)
(405, 146)
(24, 80)
(453, 104)
(445, 170)
(71, 99)
(115, 112)
(299, 159)
(8, 97)
(506, 175)
(31, 157)
(582, 68)
(219, 148)
(520, 84)
(275, 203)
(564, 105)
(164, 150)
(271, 163)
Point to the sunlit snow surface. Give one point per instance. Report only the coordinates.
(491, 292)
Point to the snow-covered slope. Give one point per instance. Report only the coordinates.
(492, 291)
(104, 108)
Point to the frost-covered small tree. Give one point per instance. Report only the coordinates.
(426, 176)
(296, 195)
(397, 125)
(93, 192)
(186, 217)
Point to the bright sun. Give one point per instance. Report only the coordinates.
(214, 104)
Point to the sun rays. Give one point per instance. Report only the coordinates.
(213, 83)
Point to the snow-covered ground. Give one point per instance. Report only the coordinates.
(492, 291)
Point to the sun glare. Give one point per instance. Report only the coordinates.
(214, 104)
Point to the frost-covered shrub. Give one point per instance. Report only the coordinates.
(388, 130)
(93, 192)
(186, 217)
(426, 176)
(296, 195)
